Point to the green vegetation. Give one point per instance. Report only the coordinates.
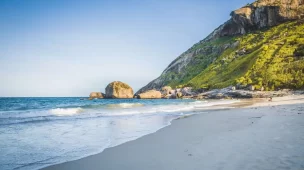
(204, 53)
(272, 58)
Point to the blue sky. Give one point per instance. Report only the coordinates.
(73, 47)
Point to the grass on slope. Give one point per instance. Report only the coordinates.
(205, 54)
(271, 58)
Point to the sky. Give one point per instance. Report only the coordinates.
(52, 48)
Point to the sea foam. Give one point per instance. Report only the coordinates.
(66, 111)
(125, 105)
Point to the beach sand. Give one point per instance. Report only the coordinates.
(257, 135)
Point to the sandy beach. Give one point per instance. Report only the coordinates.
(265, 135)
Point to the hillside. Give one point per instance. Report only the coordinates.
(272, 58)
(261, 45)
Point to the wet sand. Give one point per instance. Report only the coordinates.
(265, 135)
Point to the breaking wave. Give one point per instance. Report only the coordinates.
(66, 111)
(125, 105)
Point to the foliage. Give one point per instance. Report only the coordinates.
(272, 58)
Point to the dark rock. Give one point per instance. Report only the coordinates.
(251, 88)
(187, 91)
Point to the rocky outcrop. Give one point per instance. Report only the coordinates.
(96, 95)
(150, 94)
(166, 90)
(260, 14)
(179, 94)
(187, 91)
(119, 90)
(228, 93)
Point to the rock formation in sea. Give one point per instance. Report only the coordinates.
(119, 90)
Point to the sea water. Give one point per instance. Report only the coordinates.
(38, 132)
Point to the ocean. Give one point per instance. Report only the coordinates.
(39, 132)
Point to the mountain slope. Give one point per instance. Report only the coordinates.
(247, 49)
(273, 58)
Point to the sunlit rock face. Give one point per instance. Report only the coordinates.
(119, 90)
(150, 94)
(96, 95)
(260, 14)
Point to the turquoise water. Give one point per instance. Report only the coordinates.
(38, 132)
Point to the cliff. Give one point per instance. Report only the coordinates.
(265, 27)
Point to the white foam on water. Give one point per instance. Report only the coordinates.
(125, 105)
(66, 111)
(138, 108)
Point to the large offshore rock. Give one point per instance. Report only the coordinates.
(150, 94)
(119, 90)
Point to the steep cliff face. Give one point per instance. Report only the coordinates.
(260, 14)
(253, 17)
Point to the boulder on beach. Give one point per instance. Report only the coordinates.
(96, 95)
(172, 96)
(150, 94)
(119, 90)
(251, 88)
(172, 92)
(187, 91)
(166, 90)
(179, 94)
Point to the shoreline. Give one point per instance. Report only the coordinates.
(103, 159)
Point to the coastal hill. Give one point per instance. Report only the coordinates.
(262, 44)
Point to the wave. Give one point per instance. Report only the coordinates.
(24, 121)
(206, 104)
(125, 105)
(66, 111)
(111, 110)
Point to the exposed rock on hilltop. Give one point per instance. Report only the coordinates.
(119, 90)
(262, 45)
(260, 14)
